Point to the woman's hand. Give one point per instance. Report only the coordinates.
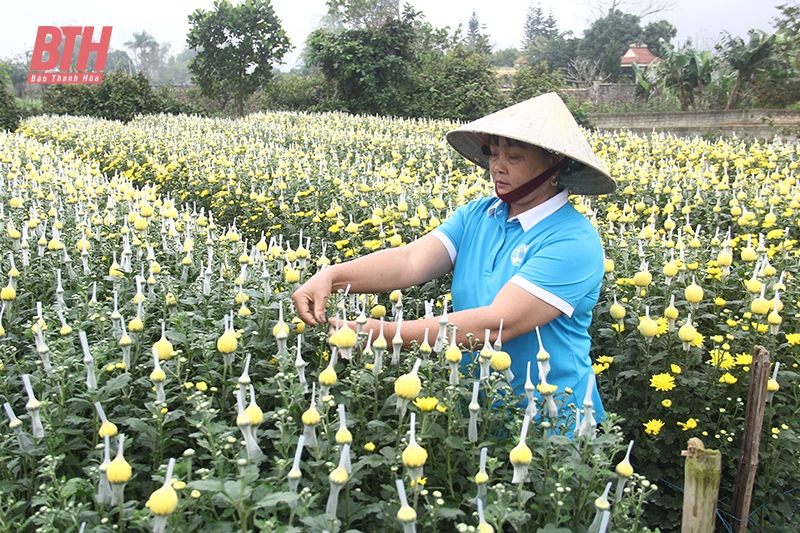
(311, 299)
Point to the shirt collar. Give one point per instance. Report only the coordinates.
(534, 215)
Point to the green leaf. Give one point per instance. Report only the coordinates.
(271, 500)
(115, 384)
(551, 528)
(455, 443)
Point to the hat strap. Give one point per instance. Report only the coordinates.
(526, 188)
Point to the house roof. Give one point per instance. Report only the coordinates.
(638, 53)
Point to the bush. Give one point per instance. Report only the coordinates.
(291, 92)
(180, 101)
(9, 112)
(120, 97)
(461, 85)
(76, 100)
(29, 107)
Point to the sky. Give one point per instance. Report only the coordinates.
(167, 20)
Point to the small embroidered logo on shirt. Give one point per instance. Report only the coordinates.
(518, 254)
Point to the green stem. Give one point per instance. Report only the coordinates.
(122, 515)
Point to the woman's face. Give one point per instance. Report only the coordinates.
(512, 166)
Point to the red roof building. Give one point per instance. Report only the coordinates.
(639, 54)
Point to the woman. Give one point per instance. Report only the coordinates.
(528, 258)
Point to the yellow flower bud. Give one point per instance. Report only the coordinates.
(338, 476)
(343, 436)
(624, 468)
(759, 306)
(255, 413)
(227, 342)
(642, 279)
(648, 327)
(8, 293)
(163, 348)
(414, 456)
(687, 333)
(163, 501)
(500, 361)
(772, 385)
(453, 354)
(107, 429)
(118, 471)
(406, 514)
(311, 416)
(521, 454)
(408, 386)
(693, 293)
(328, 376)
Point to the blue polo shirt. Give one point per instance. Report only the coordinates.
(551, 251)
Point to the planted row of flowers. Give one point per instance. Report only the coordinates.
(700, 243)
(154, 377)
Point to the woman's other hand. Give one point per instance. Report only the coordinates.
(311, 299)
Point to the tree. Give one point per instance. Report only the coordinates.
(658, 31)
(685, 72)
(119, 60)
(476, 40)
(372, 68)
(543, 43)
(9, 112)
(608, 38)
(360, 14)
(556, 52)
(746, 58)
(550, 26)
(534, 26)
(505, 57)
(582, 72)
(236, 48)
(461, 85)
(146, 53)
(17, 69)
(641, 8)
(176, 69)
(779, 84)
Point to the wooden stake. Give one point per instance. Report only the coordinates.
(751, 439)
(702, 473)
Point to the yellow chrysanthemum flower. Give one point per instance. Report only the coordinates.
(653, 427)
(663, 382)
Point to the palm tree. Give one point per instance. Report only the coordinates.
(142, 47)
(700, 68)
(746, 58)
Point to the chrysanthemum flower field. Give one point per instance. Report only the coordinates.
(155, 377)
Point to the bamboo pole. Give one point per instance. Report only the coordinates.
(751, 439)
(702, 473)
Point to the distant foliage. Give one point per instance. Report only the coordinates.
(459, 86)
(291, 92)
(9, 112)
(120, 97)
(237, 47)
(370, 67)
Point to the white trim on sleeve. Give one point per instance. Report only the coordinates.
(447, 244)
(545, 296)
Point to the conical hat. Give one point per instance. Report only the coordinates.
(546, 122)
